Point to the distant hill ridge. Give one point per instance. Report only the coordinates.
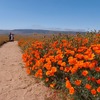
(30, 31)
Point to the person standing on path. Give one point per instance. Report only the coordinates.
(11, 37)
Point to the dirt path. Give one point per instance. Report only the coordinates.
(14, 83)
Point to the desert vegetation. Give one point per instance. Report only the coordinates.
(3, 39)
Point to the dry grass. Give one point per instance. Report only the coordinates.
(3, 39)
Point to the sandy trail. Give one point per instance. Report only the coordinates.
(14, 83)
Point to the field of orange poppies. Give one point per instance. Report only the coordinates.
(70, 63)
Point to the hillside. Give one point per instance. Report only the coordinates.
(29, 31)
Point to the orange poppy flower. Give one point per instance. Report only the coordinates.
(51, 72)
(64, 41)
(47, 66)
(88, 51)
(59, 51)
(97, 51)
(63, 64)
(47, 59)
(52, 85)
(72, 60)
(64, 45)
(39, 73)
(59, 57)
(84, 41)
(67, 69)
(54, 69)
(88, 86)
(88, 78)
(69, 52)
(54, 44)
(80, 64)
(48, 73)
(98, 81)
(91, 56)
(79, 56)
(71, 90)
(33, 67)
(59, 62)
(97, 69)
(98, 89)
(38, 63)
(78, 82)
(81, 49)
(51, 57)
(93, 91)
(68, 84)
(74, 69)
(84, 73)
(92, 65)
(47, 79)
(86, 64)
(61, 68)
(93, 79)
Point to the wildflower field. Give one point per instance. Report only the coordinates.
(68, 63)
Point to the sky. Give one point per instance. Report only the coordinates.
(50, 14)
